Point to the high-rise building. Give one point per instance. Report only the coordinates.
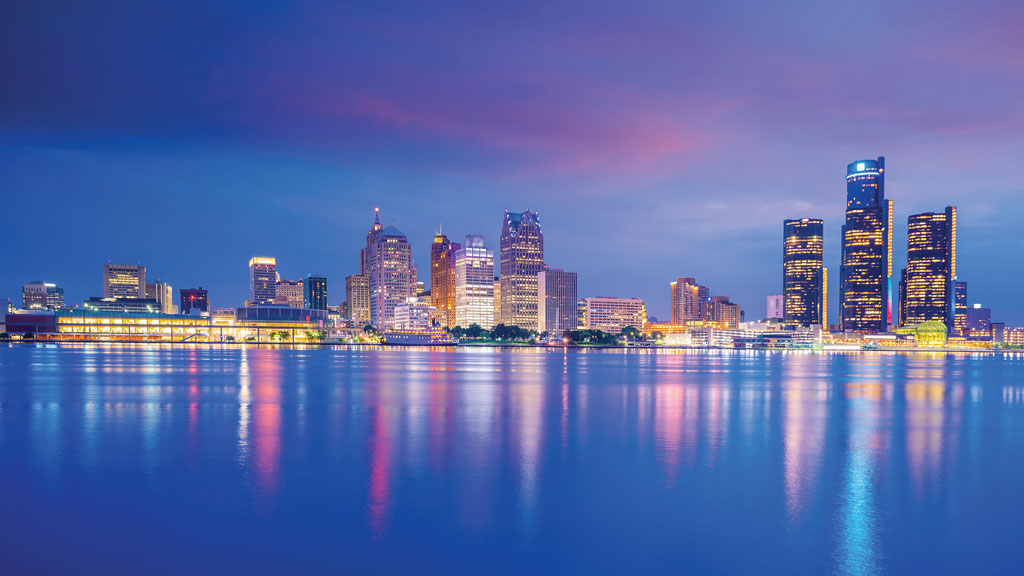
(314, 293)
(193, 299)
(556, 301)
(164, 296)
(773, 307)
(724, 312)
(288, 293)
(865, 276)
(960, 308)
(497, 300)
(802, 271)
(124, 281)
(689, 301)
(357, 296)
(371, 239)
(522, 258)
(262, 280)
(613, 314)
(42, 296)
(392, 274)
(442, 278)
(928, 291)
(474, 284)
(581, 314)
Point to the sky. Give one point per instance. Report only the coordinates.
(656, 139)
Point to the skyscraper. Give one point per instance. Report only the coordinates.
(314, 293)
(262, 280)
(371, 239)
(124, 281)
(474, 284)
(442, 278)
(357, 295)
(391, 271)
(931, 268)
(865, 274)
(193, 299)
(689, 301)
(724, 312)
(522, 258)
(164, 296)
(960, 308)
(802, 271)
(556, 301)
(42, 296)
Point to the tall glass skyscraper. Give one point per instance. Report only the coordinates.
(314, 293)
(931, 268)
(442, 278)
(803, 287)
(522, 258)
(262, 280)
(474, 284)
(865, 274)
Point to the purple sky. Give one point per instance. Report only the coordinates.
(657, 140)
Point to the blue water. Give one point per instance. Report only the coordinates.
(359, 461)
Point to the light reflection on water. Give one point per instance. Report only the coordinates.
(723, 461)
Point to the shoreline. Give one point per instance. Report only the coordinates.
(525, 345)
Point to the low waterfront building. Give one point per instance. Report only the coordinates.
(256, 324)
(1014, 336)
(612, 315)
(134, 305)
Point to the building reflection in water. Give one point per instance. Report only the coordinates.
(929, 437)
(805, 418)
(867, 401)
(668, 429)
(526, 407)
(266, 422)
(384, 424)
(477, 425)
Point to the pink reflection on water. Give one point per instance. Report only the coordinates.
(805, 418)
(266, 419)
(668, 429)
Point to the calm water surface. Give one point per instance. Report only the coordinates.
(359, 461)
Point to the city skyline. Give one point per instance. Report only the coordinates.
(686, 141)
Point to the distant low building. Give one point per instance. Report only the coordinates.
(42, 296)
(288, 293)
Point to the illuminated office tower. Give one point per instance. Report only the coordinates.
(193, 299)
(124, 281)
(522, 258)
(689, 301)
(42, 296)
(314, 293)
(392, 274)
(581, 314)
(288, 293)
(164, 296)
(613, 314)
(931, 268)
(474, 284)
(960, 308)
(442, 278)
(556, 301)
(357, 296)
(802, 271)
(262, 280)
(865, 274)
